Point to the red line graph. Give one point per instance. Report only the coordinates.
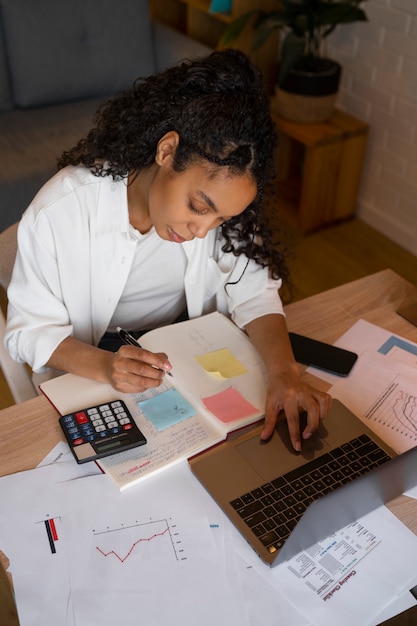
(143, 539)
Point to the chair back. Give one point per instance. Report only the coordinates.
(8, 249)
(17, 375)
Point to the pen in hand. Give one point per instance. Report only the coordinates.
(130, 340)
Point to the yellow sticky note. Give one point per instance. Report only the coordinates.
(221, 364)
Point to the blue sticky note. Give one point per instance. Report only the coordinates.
(166, 409)
(221, 6)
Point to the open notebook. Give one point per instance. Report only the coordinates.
(218, 386)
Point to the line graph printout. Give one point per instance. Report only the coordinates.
(151, 549)
(396, 410)
(383, 393)
(120, 537)
(139, 540)
(118, 556)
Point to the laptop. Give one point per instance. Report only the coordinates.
(283, 502)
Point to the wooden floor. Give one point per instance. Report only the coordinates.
(340, 254)
(325, 259)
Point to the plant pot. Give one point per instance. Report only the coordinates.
(307, 96)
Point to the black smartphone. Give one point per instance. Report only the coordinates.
(322, 355)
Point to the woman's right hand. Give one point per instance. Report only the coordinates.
(134, 369)
(130, 370)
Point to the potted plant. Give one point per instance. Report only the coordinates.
(307, 81)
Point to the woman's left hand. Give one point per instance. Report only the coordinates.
(287, 397)
(287, 394)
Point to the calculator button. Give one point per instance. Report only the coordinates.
(77, 442)
(104, 407)
(127, 426)
(100, 429)
(97, 422)
(92, 411)
(112, 425)
(125, 420)
(81, 417)
(115, 430)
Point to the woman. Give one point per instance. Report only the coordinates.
(157, 213)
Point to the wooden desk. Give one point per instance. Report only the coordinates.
(28, 431)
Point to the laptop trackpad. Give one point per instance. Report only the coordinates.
(276, 457)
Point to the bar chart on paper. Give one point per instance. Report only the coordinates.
(49, 535)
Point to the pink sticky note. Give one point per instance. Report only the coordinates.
(229, 405)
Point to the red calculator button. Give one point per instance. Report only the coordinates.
(77, 442)
(127, 426)
(81, 417)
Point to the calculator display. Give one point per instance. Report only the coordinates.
(108, 446)
(101, 430)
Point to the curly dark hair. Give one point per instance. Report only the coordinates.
(220, 108)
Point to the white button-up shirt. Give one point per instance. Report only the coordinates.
(74, 259)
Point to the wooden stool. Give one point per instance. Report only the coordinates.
(319, 168)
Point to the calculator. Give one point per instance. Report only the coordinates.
(100, 431)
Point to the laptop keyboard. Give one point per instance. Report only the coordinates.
(272, 510)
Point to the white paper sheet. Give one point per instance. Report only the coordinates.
(122, 554)
(148, 549)
(178, 569)
(385, 569)
(38, 563)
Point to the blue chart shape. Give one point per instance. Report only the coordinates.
(221, 6)
(397, 342)
(166, 409)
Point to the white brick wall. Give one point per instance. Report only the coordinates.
(379, 85)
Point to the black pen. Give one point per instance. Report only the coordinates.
(130, 340)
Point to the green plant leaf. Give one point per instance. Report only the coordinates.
(265, 24)
(235, 28)
(340, 13)
(309, 22)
